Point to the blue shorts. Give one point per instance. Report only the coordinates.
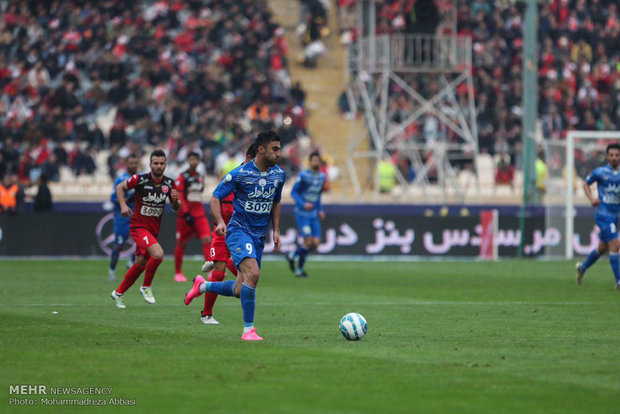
(121, 230)
(608, 228)
(241, 246)
(308, 226)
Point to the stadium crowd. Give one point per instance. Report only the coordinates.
(81, 76)
(579, 63)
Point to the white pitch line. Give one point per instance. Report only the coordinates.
(420, 303)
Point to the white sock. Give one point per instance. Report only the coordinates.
(248, 328)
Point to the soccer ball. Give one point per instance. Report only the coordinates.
(353, 326)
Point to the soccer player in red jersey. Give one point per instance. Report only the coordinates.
(191, 219)
(152, 190)
(220, 255)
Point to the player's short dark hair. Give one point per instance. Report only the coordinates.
(157, 153)
(251, 151)
(314, 154)
(193, 154)
(615, 146)
(265, 137)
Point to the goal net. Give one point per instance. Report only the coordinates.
(569, 219)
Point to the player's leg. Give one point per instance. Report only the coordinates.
(311, 243)
(305, 230)
(218, 255)
(116, 251)
(217, 275)
(203, 232)
(614, 259)
(249, 274)
(121, 234)
(136, 270)
(156, 256)
(183, 235)
(594, 255)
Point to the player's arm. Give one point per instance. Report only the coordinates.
(216, 211)
(296, 193)
(223, 190)
(174, 199)
(120, 196)
(594, 201)
(184, 210)
(319, 206)
(276, 212)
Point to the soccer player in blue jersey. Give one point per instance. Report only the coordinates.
(607, 206)
(121, 223)
(308, 212)
(258, 188)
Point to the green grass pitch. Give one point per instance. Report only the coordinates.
(444, 337)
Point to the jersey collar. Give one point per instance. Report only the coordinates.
(258, 169)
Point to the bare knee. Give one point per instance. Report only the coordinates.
(156, 252)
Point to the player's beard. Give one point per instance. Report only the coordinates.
(157, 173)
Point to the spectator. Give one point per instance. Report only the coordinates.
(43, 199)
(8, 194)
(387, 175)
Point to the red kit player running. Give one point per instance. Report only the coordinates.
(220, 256)
(152, 190)
(191, 219)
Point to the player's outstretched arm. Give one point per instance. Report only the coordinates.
(216, 210)
(120, 196)
(276, 211)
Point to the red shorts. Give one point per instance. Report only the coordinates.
(219, 250)
(144, 239)
(200, 229)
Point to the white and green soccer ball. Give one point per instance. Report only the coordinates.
(353, 326)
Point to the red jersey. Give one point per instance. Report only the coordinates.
(150, 201)
(226, 205)
(190, 185)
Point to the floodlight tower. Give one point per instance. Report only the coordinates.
(415, 91)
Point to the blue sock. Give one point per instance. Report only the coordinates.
(615, 266)
(248, 303)
(114, 259)
(592, 258)
(303, 252)
(226, 288)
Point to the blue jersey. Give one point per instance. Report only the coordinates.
(129, 194)
(608, 182)
(308, 189)
(255, 192)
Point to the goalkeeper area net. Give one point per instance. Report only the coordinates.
(570, 229)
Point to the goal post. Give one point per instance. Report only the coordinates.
(588, 141)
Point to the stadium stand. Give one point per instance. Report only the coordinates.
(579, 65)
(86, 83)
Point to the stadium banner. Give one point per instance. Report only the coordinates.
(91, 234)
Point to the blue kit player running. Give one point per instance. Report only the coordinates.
(607, 208)
(257, 186)
(308, 212)
(121, 223)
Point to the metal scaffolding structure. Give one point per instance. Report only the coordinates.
(415, 92)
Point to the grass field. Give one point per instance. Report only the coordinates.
(466, 337)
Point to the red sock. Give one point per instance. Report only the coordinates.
(205, 250)
(179, 250)
(215, 276)
(132, 274)
(231, 266)
(151, 268)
